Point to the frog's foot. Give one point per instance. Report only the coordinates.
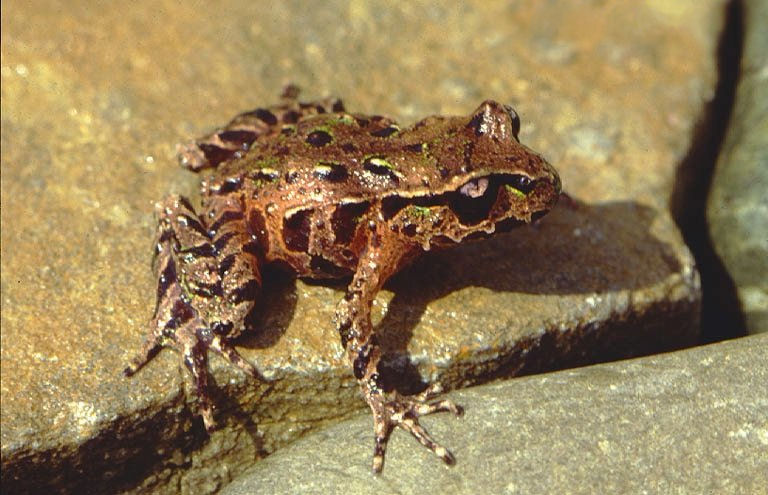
(391, 410)
(177, 325)
(192, 338)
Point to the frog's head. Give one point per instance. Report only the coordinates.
(496, 183)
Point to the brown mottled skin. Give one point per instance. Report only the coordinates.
(329, 194)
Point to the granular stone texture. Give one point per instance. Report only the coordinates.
(688, 422)
(95, 97)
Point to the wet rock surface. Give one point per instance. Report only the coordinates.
(94, 99)
(687, 422)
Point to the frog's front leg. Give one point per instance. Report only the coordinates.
(207, 279)
(380, 260)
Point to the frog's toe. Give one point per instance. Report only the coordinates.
(444, 405)
(414, 428)
(148, 351)
(228, 352)
(404, 412)
(191, 156)
(195, 358)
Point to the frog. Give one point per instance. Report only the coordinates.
(328, 194)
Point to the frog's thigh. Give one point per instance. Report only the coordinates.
(235, 138)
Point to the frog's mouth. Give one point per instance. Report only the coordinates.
(496, 199)
(493, 197)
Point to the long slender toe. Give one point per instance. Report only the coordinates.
(150, 348)
(440, 406)
(397, 411)
(229, 352)
(380, 448)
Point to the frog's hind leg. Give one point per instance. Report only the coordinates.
(232, 140)
(188, 283)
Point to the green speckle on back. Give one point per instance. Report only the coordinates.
(346, 119)
(269, 162)
(419, 212)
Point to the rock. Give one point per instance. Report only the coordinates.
(687, 422)
(737, 208)
(94, 99)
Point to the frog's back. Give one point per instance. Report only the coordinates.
(339, 158)
(309, 190)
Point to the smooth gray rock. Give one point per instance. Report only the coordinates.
(95, 96)
(688, 422)
(737, 208)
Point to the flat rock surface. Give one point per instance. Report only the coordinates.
(688, 422)
(737, 209)
(94, 98)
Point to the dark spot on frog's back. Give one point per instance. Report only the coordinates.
(477, 124)
(205, 290)
(240, 137)
(222, 328)
(231, 184)
(214, 154)
(330, 171)
(381, 167)
(348, 148)
(385, 132)
(205, 250)
(319, 138)
(266, 175)
(291, 176)
(414, 148)
(264, 115)
(361, 363)
(296, 230)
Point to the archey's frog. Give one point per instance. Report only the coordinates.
(329, 194)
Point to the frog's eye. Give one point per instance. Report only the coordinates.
(515, 120)
(519, 185)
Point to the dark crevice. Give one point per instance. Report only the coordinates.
(721, 316)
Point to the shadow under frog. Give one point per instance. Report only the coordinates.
(577, 249)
